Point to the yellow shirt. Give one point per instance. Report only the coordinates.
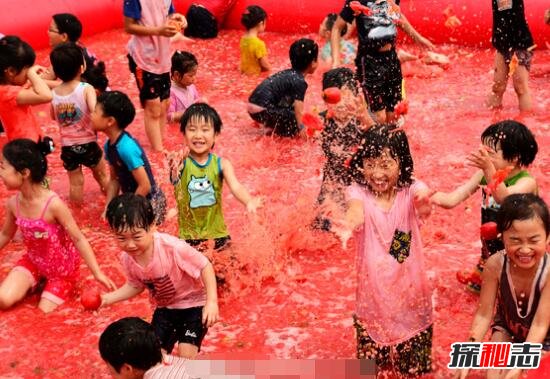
(252, 50)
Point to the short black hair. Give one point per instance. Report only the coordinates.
(130, 211)
(329, 23)
(96, 76)
(374, 142)
(515, 139)
(15, 53)
(183, 62)
(252, 16)
(302, 53)
(201, 111)
(340, 77)
(27, 154)
(69, 24)
(118, 105)
(67, 60)
(522, 206)
(131, 341)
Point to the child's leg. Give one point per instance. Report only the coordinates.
(15, 287)
(76, 182)
(521, 86)
(498, 336)
(57, 291)
(500, 79)
(152, 113)
(100, 175)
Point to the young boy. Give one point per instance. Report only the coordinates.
(278, 101)
(131, 350)
(199, 177)
(73, 102)
(151, 24)
(129, 166)
(181, 280)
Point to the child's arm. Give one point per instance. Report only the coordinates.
(113, 187)
(10, 227)
(417, 37)
(335, 36)
(63, 216)
(123, 293)
(264, 63)
(422, 202)
(299, 114)
(144, 185)
(452, 199)
(91, 97)
(210, 312)
(132, 26)
(355, 217)
(39, 92)
(237, 189)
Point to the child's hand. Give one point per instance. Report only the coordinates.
(104, 279)
(167, 30)
(176, 160)
(342, 231)
(253, 204)
(422, 202)
(180, 19)
(36, 70)
(210, 313)
(482, 160)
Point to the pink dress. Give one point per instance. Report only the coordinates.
(181, 99)
(393, 295)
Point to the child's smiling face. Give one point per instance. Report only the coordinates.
(525, 242)
(200, 135)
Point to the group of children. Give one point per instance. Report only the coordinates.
(368, 178)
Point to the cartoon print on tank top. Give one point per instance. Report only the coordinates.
(201, 192)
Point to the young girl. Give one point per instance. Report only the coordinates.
(183, 92)
(51, 235)
(513, 43)
(515, 278)
(16, 68)
(393, 316)
(253, 50)
(506, 145)
(347, 48)
(341, 136)
(198, 177)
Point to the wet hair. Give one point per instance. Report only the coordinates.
(252, 16)
(522, 206)
(329, 23)
(15, 53)
(27, 154)
(374, 142)
(96, 76)
(201, 111)
(69, 24)
(130, 211)
(118, 105)
(67, 60)
(340, 77)
(515, 139)
(183, 62)
(131, 341)
(303, 52)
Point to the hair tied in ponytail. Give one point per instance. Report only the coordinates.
(46, 145)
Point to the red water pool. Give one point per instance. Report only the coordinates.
(297, 299)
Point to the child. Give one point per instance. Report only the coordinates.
(199, 177)
(181, 280)
(131, 350)
(515, 278)
(505, 144)
(72, 104)
(129, 166)
(16, 67)
(278, 101)
(51, 235)
(513, 41)
(378, 67)
(183, 92)
(66, 27)
(347, 48)
(393, 316)
(253, 51)
(151, 24)
(340, 137)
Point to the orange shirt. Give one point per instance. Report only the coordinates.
(19, 121)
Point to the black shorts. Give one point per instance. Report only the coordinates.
(281, 119)
(219, 243)
(158, 202)
(88, 154)
(151, 86)
(381, 80)
(524, 57)
(179, 325)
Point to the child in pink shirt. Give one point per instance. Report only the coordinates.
(393, 315)
(183, 92)
(180, 279)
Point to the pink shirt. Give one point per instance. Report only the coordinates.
(181, 98)
(393, 299)
(19, 121)
(172, 276)
(171, 368)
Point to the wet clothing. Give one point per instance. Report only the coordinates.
(179, 325)
(347, 51)
(171, 367)
(252, 50)
(510, 29)
(151, 86)
(514, 314)
(181, 99)
(51, 254)
(88, 154)
(198, 193)
(19, 121)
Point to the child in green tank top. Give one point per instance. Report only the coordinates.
(198, 176)
(508, 149)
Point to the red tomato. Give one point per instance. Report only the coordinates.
(312, 124)
(332, 95)
(488, 231)
(91, 299)
(402, 108)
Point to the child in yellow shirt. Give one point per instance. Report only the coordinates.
(253, 50)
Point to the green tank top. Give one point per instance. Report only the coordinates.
(198, 196)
